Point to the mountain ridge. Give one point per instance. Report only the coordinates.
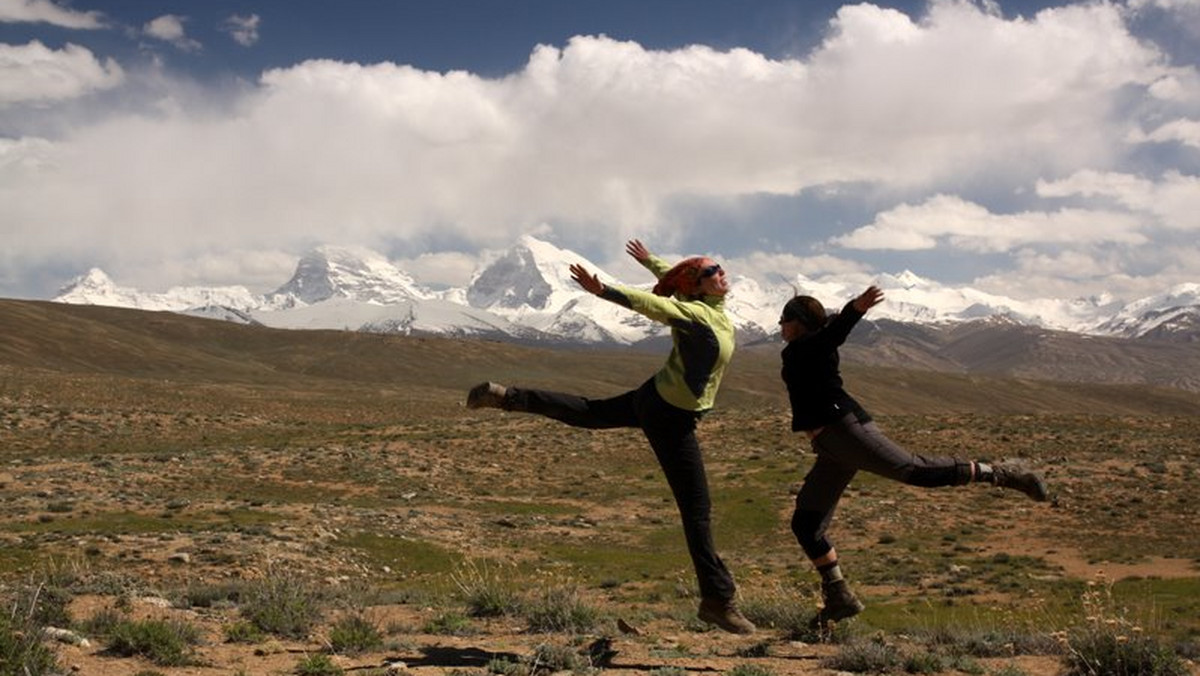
(527, 295)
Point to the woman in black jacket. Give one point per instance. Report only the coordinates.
(846, 441)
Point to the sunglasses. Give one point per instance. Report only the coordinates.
(709, 271)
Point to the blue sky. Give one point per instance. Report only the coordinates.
(1030, 149)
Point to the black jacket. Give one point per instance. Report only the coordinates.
(811, 373)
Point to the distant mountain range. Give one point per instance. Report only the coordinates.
(527, 295)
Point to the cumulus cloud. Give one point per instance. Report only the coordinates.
(963, 225)
(45, 11)
(169, 28)
(774, 267)
(449, 268)
(34, 73)
(243, 29)
(601, 136)
(1172, 201)
(1182, 131)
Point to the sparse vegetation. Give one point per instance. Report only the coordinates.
(167, 643)
(283, 604)
(22, 652)
(354, 634)
(560, 608)
(257, 479)
(487, 591)
(317, 665)
(1108, 642)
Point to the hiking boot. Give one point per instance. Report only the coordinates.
(1018, 478)
(725, 614)
(486, 395)
(840, 603)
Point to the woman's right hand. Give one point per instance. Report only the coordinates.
(590, 282)
(635, 248)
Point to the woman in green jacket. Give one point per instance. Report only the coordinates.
(690, 298)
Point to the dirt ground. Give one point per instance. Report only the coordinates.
(139, 504)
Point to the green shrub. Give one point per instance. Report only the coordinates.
(102, 621)
(211, 595)
(1115, 654)
(873, 656)
(317, 665)
(749, 670)
(164, 642)
(1109, 643)
(487, 593)
(22, 652)
(561, 608)
(354, 634)
(549, 658)
(282, 604)
(450, 624)
(784, 612)
(243, 631)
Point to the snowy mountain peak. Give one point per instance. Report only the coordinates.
(346, 272)
(910, 280)
(97, 288)
(94, 281)
(532, 275)
(527, 294)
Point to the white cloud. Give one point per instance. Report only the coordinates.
(449, 268)
(771, 267)
(243, 29)
(1116, 271)
(169, 28)
(45, 11)
(34, 73)
(1173, 201)
(1186, 132)
(946, 220)
(598, 137)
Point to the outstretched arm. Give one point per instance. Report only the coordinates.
(589, 281)
(635, 248)
(868, 299)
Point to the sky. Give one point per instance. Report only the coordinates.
(1028, 149)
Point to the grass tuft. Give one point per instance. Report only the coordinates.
(561, 608)
(166, 643)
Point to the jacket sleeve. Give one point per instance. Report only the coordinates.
(838, 329)
(658, 308)
(656, 265)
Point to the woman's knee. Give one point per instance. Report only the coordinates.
(809, 529)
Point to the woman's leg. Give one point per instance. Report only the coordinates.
(671, 433)
(573, 409)
(865, 447)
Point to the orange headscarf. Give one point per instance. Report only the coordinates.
(683, 279)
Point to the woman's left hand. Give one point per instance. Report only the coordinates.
(868, 299)
(590, 282)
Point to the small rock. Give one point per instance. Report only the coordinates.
(65, 636)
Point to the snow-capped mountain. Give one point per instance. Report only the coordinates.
(527, 294)
(96, 288)
(1174, 315)
(341, 272)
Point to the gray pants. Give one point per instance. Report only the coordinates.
(845, 447)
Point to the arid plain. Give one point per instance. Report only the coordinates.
(164, 468)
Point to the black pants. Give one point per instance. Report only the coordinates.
(845, 447)
(672, 434)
